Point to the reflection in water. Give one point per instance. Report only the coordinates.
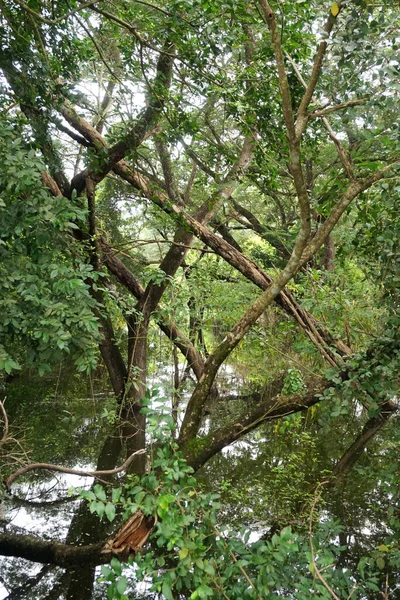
(73, 431)
(69, 430)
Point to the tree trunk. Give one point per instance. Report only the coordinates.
(86, 528)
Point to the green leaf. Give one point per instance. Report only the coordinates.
(167, 592)
(121, 585)
(87, 494)
(116, 565)
(99, 492)
(183, 553)
(199, 563)
(116, 494)
(97, 507)
(381, 563)
(106, 571)
(111, 591)
(110, 511)
(140, 497)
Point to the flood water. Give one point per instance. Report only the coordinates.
(66, 426)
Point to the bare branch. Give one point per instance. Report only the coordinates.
(264, 411)
(343, 154)
(34, 549)
(197, 160)
(186, 195)
(34, 466)
(166, 163)
(370, 429)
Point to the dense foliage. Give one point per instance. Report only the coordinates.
(203, 195)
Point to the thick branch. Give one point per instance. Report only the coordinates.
(370, 429)
(293, 136)
(127, 279)
(355, 188)
(275, 408)
(270, 19)
(143, 126)
(34, 549)
(169, 177)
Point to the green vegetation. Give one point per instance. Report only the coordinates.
(199, 297)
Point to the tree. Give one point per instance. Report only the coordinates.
(263, 141)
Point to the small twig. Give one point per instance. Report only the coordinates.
(310, 530)
(219, 588)
(100, 52)
(235, 560)
(322, 112)
(59, 19)
(10, 480)
(5, 426)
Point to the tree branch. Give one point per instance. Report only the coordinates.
(34, 549)
(59, 19)
(5, 424)
(274, 408)
(143, 127)
(193, 414)
(269, 18)
(166, 164)
(370, 429)
(302, 116)
(355, 188)
(34, 466)
(343, 154)
(329, 109)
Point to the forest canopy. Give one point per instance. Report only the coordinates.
(199, 291)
